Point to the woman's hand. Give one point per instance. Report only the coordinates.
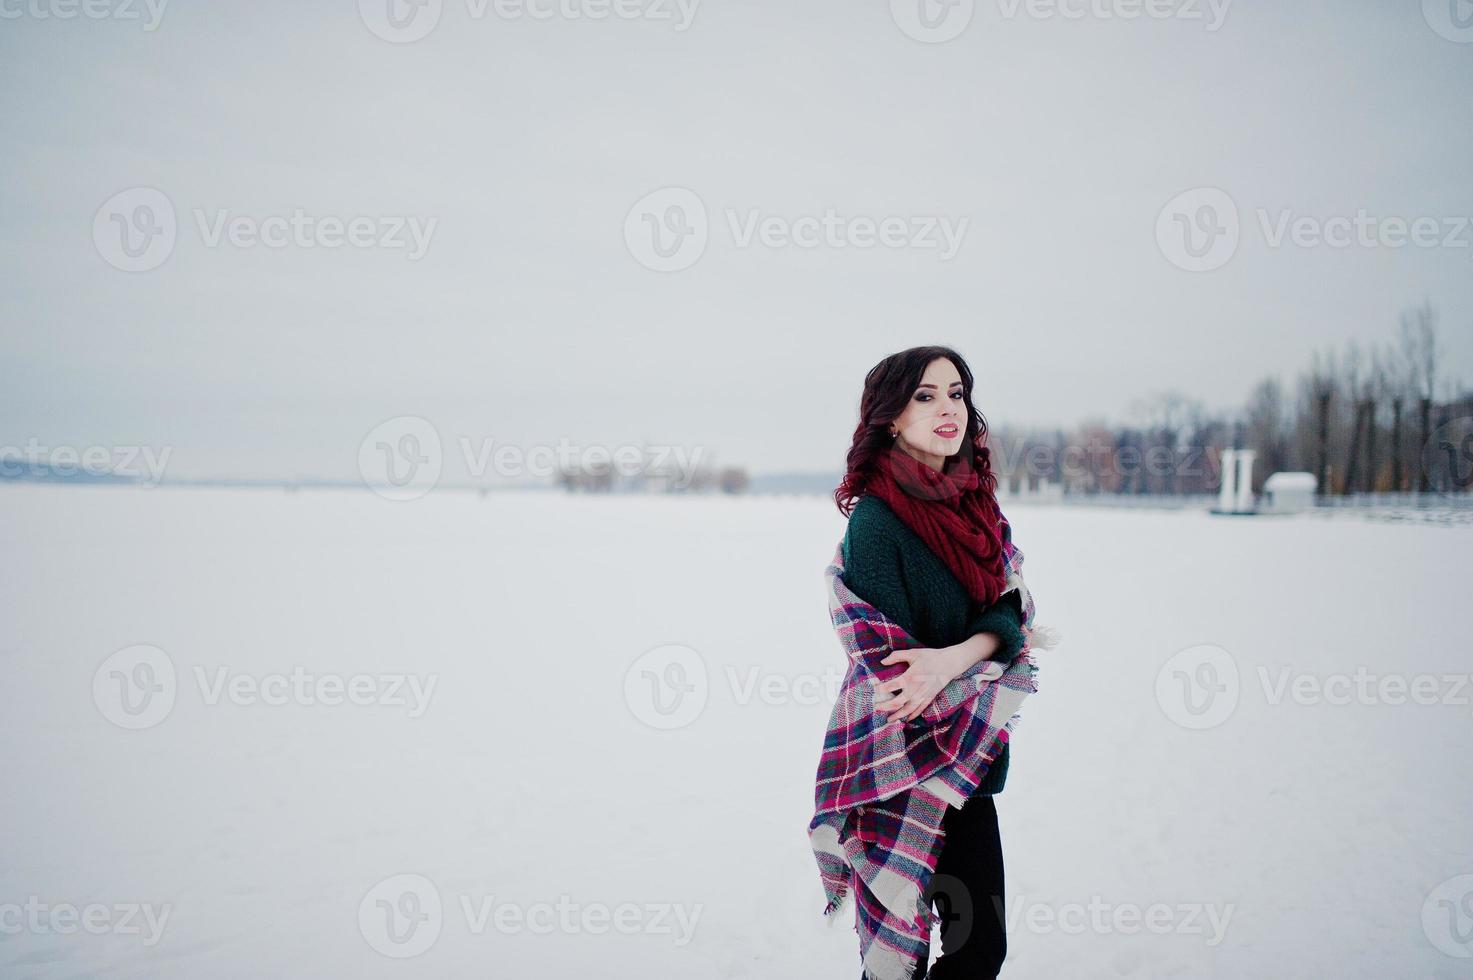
(928, 671)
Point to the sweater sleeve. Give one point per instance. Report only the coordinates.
(872, 565)
(1005, 619)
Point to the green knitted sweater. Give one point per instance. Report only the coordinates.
(888, 565)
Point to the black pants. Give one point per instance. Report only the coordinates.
(967, 893)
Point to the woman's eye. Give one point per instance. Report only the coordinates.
(956, 394)
(923, 397)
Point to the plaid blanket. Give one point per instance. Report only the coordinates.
(881, 792)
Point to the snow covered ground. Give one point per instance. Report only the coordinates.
(258, 734)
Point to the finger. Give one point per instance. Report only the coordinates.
(918, 707)
(896, 656)
(895, 683)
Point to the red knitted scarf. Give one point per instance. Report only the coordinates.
(952, 512)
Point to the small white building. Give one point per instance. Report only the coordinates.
(1289, 491)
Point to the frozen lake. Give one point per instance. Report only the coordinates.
(255, 734)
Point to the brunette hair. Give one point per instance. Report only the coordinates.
(888, 388)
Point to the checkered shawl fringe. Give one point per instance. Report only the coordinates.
(881, 793)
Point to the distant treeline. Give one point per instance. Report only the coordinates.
(1377, 420)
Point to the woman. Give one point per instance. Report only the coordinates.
(924, 545)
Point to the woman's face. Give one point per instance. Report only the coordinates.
(935, 420)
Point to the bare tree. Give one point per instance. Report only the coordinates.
(1266, 424)
(1320, 388)
(1355, 388)
(1378, 387)
(1419, 348)
(1166, 415)
(1402, 384)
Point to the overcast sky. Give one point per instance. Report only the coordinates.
(537, 304)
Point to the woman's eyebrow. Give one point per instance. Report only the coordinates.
(927, 384)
